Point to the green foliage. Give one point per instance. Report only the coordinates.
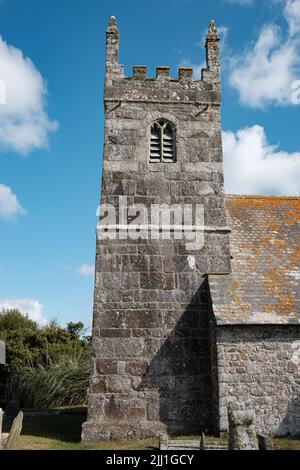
(51, 363)
(63, 383)
(75, 329)
(29, 344)
(20, 335)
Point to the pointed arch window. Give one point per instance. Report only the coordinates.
(162, 142)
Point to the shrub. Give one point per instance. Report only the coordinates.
(47, 365)
(62, 383)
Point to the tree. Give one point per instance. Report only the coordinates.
(75, 329)
(31, 347)
(28, 343)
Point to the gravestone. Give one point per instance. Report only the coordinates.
(15, 432)
(264, 442)
(1, 421)
(2, 353)
(163, 442)
(2, 368)
(202, 442)
(242, 429)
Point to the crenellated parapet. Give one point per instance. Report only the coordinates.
(163, 73)
(185, 74)
(163, 87)
(140, 72)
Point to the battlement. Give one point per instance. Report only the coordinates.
(115, 71)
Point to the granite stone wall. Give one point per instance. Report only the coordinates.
(151, 354)
(261, 365)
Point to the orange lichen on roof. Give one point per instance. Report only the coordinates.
(265, 246)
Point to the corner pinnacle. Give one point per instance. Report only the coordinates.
(112, 21)
(212, 28)
(212, 35)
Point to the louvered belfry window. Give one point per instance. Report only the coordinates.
(162, 144)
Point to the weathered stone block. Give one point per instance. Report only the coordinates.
(163, 73)
(129, 348)
(95, 406)
(122, 280)
(103, 347)
(137, 368)
(115, 333)
(106, 366)
(157, 281)
(98, 386)
(118, 384)
(117, 408)
(135, 263)
(144, 319)
(185, 74)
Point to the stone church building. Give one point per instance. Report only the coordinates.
(180, 333)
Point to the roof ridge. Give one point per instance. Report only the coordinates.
(263, 196)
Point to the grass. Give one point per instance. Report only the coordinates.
(38, 443)
(284, 443)
(63, 433)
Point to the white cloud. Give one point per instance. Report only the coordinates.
(223, 32)
(24, 123)
(9, 204)
(31, 307)
(292, 15)
(253, 166)
(264, 74)
(86, 270)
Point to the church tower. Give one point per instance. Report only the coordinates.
(163, 231)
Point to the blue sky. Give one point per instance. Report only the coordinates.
(51, 124)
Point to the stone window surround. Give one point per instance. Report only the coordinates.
(162, 124)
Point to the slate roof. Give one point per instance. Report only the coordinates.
(265, 245)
